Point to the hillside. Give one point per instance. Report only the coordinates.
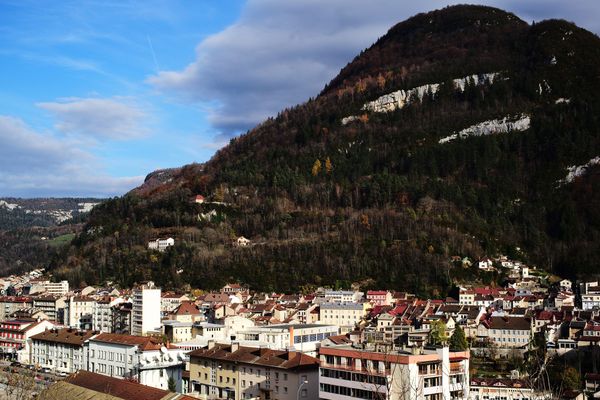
(463, 131)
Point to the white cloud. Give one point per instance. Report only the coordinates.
(280, 53)
(99, 118)
(41, 164)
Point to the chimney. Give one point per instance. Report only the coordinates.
(291, 354)
(211, 344)
(235, 346)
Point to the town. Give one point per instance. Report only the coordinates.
(329, 344)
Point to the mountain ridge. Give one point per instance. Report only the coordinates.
(380, 200)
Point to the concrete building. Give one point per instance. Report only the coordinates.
(15, 335)
(303, 338)
(145, 314)
(140, 357)
(343, 315)
(348, 373)
(61, 350)
(79, 312)
(52, 306)
(10, 304)
(51, 288)
(236, 372)
(161, 244)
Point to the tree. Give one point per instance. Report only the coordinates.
(171, 383)
(328, 166)
(437, 333)
(316, 168)
(458, 341)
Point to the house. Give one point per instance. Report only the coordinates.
(161, 244)
(169, 301)
(506, 332)
(236, 372)
(344, 315)
(566, 284)
(380, 297)
(199, 199)
(241, 242)
(486, 264)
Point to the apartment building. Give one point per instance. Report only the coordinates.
(79, 312)
(145, 315)
(506, 332)
(380, 297)
(103, 316)
(51, 288)
(348, 373)
(342, 296)
(52, 306)
(344, 315)
(235, 372)
(169, 301)
(11, 304)
(504, 389)
(61, 350)
(15, 335)
(304, 338)
(140, 357)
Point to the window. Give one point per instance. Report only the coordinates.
(303, 393)
(285, 389)
(285, 377)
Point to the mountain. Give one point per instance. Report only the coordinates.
(461, 132)
(42, 212)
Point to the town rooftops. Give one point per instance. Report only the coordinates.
(186, 308)
(512, 323)
(128, 340)
(341, 306)
(65, 336)
(261, 356)
(88, 385)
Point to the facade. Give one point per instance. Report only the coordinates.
(304, 338)
(61, 350)
(145, 314)
(344, 315)
(52, 306)
(170, 301)
(234, 372)
(342, 296)
(11, 304)
(380, 297)
(161, 244)
(15, 334)
(503, 389)
(139, 357)
(350, 373)
(80, 312)
(52, 288)
(506, 332)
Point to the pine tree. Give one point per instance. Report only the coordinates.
(458, 341)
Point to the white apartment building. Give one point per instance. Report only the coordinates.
(79, 312)
(344, 315)
(61, 350)
(161, 244)
(15, 337)
(304, 338)
(141, 357)
(103, 314)
(343, 296)
(350, 373)
(53, 288)
(145, 314)
(52, 306)
(504, 389)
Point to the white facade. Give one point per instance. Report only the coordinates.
(161, 244)
(304, 338)
(145, 314)
(54, 288)
(343, 315)
(80, 312)
(343, 296)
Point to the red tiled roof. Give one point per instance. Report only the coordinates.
(124, 339)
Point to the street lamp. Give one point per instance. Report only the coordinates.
(299, 388)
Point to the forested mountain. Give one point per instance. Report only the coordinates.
(463, 131)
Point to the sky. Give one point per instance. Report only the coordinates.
(95, 94)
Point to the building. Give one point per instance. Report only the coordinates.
(348, 373)
(104, 314)
(235, 372)
(380, 297)
(15, 335)
(506, 332)
(53, 306)
(344, 315)
(139, 357)
(170, 301)
(79, 312)
(503, 389)
(342, 296)
(51, 288)
(145, 313)
(161, 244)
(304, 338)
(10, 304)
(88, 385)
(61, 350)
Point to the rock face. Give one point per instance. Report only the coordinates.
(495, 126)
(579, 170)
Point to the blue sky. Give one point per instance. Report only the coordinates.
(95, 94)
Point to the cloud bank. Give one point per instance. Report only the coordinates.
(280, 53)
